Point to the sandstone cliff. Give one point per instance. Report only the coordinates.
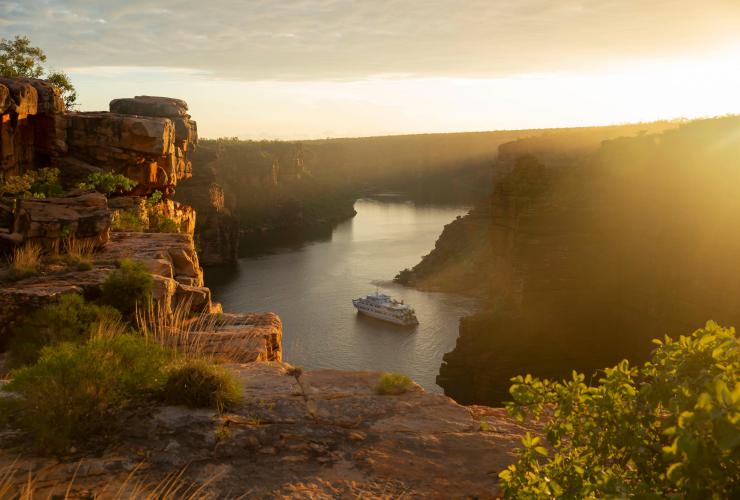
(589, 261)
(217, 229)
(147, 139)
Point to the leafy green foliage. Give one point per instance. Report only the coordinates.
(108, 183)
(127, 221)
(75, 390)
(155, 198)
(18, 58)
(129, 287)
(33, 184)
(670, 428)
(199, 384)
(393, 384)
(61, 80)
(69, 320)
(161, 224)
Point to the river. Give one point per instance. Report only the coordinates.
(310, 285)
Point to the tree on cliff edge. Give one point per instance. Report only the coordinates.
(18, 58)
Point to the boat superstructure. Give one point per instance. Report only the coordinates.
(382, 306)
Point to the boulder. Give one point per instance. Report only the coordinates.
(29, 96)
(46, 220)
(175, 249)
(144, 105)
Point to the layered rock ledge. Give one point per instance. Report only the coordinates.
(320, 434)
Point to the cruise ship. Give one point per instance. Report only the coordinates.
(381, 306)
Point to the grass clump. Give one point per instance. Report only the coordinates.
(129, 287)
(127, 221)
(80, 252)
(198, 383)
(25, 261)
(71, 319)
(160, 224)
(393, 384)
(75, 391)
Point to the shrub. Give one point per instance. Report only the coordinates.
(155, 198)
(33, 184)
(25, 261)
(393, 384)
(75, 391)
(69, 320)
(129, 287)
(127, 221)
(198, 383)
(161, 224)
(666, 429)
(108, 183)
(45, 182)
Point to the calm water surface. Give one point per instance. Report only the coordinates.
(311, 286)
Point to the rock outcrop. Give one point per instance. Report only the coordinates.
(46, 221)
(319, 434)
(217, 229)
(32, 128)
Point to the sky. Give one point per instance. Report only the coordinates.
(300, 69)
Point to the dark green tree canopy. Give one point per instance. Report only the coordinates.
(18, 58)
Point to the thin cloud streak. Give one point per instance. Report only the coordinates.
(344, 39)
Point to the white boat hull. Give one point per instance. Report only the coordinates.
(385, 317)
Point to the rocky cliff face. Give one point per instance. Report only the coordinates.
(217, 229)
(589, 261)
(147, 139)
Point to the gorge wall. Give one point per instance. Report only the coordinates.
(587, 263)
(583, 261)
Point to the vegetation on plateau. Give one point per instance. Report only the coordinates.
(18, 58)
(393, 384)
(128, 287)
(108, 183)
(198, 383)
(667, 429)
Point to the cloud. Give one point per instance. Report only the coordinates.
(354, 39)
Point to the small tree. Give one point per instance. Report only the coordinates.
(18, 58)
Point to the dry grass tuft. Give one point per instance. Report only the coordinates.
(80, 252)
(202, 336)
(20, 485)
(25, 260)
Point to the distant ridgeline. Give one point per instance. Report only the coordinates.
(587, 250)
(311, 185)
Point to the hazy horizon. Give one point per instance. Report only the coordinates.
(313, 69)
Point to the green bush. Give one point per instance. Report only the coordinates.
(75, 391)
(69, 320)
(33, 184)
(198, 383)
(670, 428)
(128, 287)
(161, 224)
(108, 183)
(127, 221)
(393, 384)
